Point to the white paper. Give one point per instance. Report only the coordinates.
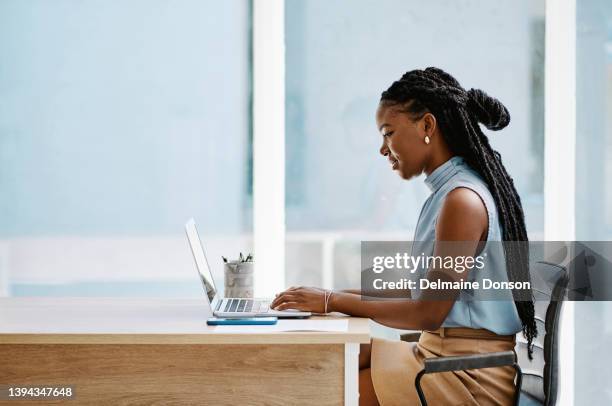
(335, 325)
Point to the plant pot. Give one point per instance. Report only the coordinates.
(238, 279)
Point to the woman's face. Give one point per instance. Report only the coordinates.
(403, 141)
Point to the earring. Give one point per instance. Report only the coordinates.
(427, 139)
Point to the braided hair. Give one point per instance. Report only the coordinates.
(458, 113)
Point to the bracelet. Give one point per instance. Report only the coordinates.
(328, 294)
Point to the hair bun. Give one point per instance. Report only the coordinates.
(487, 110)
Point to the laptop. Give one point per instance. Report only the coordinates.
(229, 307)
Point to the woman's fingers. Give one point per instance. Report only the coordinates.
(283, 297)
(306, 299)
(290, 290)
(288, 305)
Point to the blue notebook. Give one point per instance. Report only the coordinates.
(247, 321)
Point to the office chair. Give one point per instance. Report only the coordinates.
(537, 380)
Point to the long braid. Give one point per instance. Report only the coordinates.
(458, 113)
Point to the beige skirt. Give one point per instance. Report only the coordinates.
(395, 364)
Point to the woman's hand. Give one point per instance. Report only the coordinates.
(306, 299)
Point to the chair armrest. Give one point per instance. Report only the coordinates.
(410, 337)
(473, 361)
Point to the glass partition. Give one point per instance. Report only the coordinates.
(340, 56)
(593, 320)
(118, 122)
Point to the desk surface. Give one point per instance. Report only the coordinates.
(142, 321)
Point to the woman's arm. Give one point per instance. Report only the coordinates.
(406, 314)
(395, 293)
(463, 222)
(352, 291)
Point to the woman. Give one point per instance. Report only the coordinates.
(429, 124)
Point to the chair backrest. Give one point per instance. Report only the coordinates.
(540, 375)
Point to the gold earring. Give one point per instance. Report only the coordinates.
(427, 139)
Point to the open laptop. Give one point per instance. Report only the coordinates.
(229, 307)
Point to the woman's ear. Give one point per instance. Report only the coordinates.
(429, 124)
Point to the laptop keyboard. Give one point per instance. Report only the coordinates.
(245, 306)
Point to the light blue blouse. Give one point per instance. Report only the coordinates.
(499, 316)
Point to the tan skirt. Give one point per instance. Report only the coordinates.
(395, 364)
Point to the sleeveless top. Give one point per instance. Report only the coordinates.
(498, 316)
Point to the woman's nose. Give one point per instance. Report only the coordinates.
(384, 150)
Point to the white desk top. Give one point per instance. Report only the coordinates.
(149, 321)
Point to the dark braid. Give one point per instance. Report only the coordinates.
(458, 113)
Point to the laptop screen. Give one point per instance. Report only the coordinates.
(200, 260)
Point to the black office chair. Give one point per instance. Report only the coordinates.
(537, 380)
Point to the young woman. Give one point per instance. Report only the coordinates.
(429, 124)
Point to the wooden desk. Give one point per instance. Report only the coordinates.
(158, 351)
